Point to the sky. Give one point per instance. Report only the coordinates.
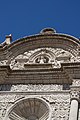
(28, 17)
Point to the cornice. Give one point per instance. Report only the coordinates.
(40, 36)
(32, 93)
(56, 40)
(53, 75)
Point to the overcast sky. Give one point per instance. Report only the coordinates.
(26, 17)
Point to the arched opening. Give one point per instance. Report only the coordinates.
(30, 109)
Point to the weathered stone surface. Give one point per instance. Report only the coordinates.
(40, 77)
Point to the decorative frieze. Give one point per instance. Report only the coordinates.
(51, 97)
(57, 97)
(39, 87)
(55, 56)
(10, 97)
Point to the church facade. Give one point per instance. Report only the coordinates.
(40, 77)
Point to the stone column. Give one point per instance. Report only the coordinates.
(73, 110)
(74, 104)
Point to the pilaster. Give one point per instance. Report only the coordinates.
(74, 102)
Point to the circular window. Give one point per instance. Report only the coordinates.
(30, 109)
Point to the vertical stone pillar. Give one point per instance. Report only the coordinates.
(74, 110)
(74, 104)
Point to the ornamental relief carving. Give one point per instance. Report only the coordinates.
(4, 62)
(58, 102)
(76, 82)
(35, 88)
(53, 56)
(10, 98)
(55, 97)
(75, 94)
(60, 111)
(3, 109)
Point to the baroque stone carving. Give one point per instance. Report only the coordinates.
(76, 82)
(31, 76)
(59, 102)
(55, 56)
(33, 109)
(39, 87)
(57, 97)
(3, 62)
(51, 97)
(75, 94)
(3, 109)
(60, 111)
(10, 98)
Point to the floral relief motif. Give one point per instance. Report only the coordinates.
(60, 111)
(39, 87)
(10, 98)
(58, 102)
(3, 109)
(53, 56)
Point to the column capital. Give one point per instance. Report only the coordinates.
(75, 95)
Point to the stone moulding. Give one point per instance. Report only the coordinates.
(32, 42)
(67, 72)
(40, 72)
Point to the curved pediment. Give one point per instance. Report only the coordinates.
(48, 38)
(44, 40)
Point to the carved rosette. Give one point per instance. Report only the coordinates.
(75, 93)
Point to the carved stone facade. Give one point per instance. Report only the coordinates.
(39, 87)
(40, 77)
(41, 56)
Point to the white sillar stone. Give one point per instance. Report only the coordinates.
(73, 110)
